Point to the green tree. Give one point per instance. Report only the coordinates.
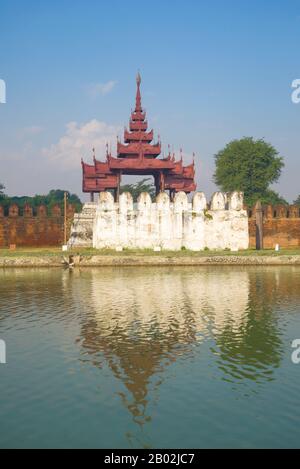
(1, 190)
(139, 187)
(297, 201)
(52, 198)
(250, 166)
(271, 197)
(57, 197)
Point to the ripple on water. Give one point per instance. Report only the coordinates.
(150, 357)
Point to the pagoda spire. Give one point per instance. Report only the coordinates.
(138, 100)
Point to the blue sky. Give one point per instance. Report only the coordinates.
(211, 72)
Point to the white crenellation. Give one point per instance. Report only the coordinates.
(236, 201)
(199, 202)
(218, 201)
(171, 225)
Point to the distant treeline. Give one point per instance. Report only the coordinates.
(54, 197)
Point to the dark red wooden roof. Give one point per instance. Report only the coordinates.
(138, 155)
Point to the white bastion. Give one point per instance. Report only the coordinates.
(170, 225)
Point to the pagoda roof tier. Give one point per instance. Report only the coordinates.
(88, 170)
(180, 184)
(138, 125)
(178, 168)
(98, 185)
(98, 169)
(102, 167)
(185, 175)
(184, 171)
(138, 136)
(135, 149)
(140, 164)
(138, 116)
(189, 171)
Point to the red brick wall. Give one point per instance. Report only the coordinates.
(43, 229)
(281, 225)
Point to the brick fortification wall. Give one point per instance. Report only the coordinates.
(281, 225)
(31, 229)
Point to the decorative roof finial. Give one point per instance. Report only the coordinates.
(138, 100)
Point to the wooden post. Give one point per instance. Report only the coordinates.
(162, 182)
(92, 196)
(259, 226)
(156, 182)
(118, 187)
(65, 218)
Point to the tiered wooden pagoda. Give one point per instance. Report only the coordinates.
(138, 156)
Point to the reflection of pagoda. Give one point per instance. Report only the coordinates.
(138, 156)
(137, 324)
(138, 362)
(138, 332)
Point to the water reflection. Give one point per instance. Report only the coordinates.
(130, 356)
(253, 349)
(140, 321)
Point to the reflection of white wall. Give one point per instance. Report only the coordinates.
(223, 294)
(172, 225)
(159, 300)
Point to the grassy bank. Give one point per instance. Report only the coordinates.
(88, 252)
(46, 257)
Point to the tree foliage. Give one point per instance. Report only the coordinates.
(250, 166)
(297, 201)
(1, 190)
(54, 197)
(139, 187)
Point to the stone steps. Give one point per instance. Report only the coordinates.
(82, 227)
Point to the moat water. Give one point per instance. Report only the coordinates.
(150, 357)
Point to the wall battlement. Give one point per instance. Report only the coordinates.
(166, 224)
(33, 226)
(41, 227)
(276, 211)
(281, 225)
